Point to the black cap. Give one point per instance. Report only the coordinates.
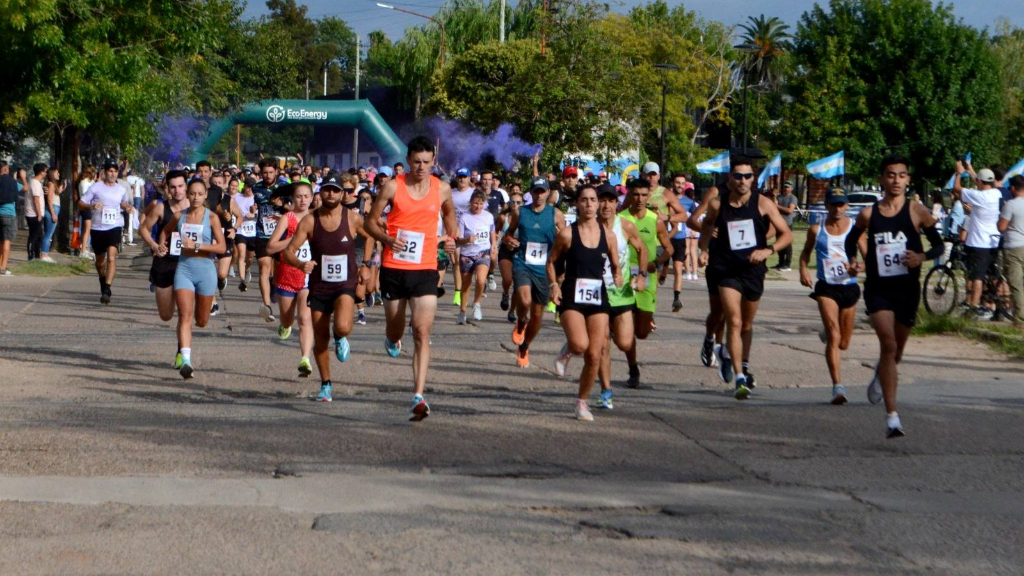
(539, 183)
(250, 182)
(607, 191)
(331, 182)
(109, 164)
(836, 195)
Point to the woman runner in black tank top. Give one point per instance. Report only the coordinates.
(334, 252)
(583, 287)
(740, 231)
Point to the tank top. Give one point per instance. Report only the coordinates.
(461, 200)
(656, 201)
(740, 231)
(584, 281)
(335, 255)
(197, 232)
(247, 227)
(830, 253)
(888, 239)
(286, 275)
(415, 222)
(266, 224)
(619, 296)
(536, 233)
(647, 227)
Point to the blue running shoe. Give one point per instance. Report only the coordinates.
(606, 400)
(419, 409)
(342, 349)
(725, 371)
(393, 349)
(186, 370)
(325, 394)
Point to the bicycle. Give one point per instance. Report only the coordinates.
(945, 287)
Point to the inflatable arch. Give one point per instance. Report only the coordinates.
(356, 113)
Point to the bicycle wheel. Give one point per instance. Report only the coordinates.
(1002, 302)
(941, 291)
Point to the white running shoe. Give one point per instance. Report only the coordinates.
(838, 394)
(478, 314)
(491, 284)
(267, 313)
(875, 388)
(562, 360)
(460, 321)
(893, 426)
(583, 411)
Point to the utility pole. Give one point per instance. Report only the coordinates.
(326, 66)
(501, 23)
(355, 131)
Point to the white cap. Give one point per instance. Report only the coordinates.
(651, 168)
(987, 176)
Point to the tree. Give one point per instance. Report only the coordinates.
(882, 76)
(770, 39)
(1008, 47)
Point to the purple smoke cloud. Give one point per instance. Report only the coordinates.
(462, 146)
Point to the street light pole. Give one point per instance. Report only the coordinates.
(664, 93)
(501, 23)
(431, 18)
(355, 131)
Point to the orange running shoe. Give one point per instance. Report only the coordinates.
(518, 336)
(523, 357)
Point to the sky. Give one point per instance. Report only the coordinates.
(364, 16)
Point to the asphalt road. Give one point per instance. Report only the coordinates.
(110, 463)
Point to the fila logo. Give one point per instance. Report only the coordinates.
(888, 238)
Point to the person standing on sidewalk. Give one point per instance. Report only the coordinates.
(51, 211)
(787, 203)
(1011, 225)
(34, 210)
(8, 215)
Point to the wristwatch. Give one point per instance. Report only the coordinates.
(642, 273)
(197, 247)
(366, 263)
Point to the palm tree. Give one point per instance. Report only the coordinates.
(769, 39)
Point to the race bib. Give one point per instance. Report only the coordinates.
(109, 216)
(741, 234)
(193, 232)
(482, 237)
(835, 271)
(304, 254)
(536, 253)
(413, 252)
(335, 268)
(248, 228)
(269, 225)
(175, 244)
(588, 291)
(890, 259)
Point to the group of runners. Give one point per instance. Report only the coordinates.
(596, 256)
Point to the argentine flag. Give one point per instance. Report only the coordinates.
(952, 179)
(773, 168)
(828, 167)
(1016, 170)
(719, 164)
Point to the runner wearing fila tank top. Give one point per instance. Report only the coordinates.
(290, 283)
(409, 276)
(330, 233)
(893, 261)
(835, 291)
(740, 219)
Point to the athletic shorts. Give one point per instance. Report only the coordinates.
(845, 295)
(679, 250)
(8, 228)
(325, 303)
(540, 292)
(85, 215)
(249, 241)
(902, 299)
(402, 284)
(197, 274)
(748, 282)
(229, 247)
(979, 260)
(505, 253)
(468, 263)
(104, 239)
(614, 311)
(161, 273)
(261, 248)
(647, 300)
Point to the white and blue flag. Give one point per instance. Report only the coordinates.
(828, 167)
(773, 168)
(719, 164)
(1016, 170)
(952, 179)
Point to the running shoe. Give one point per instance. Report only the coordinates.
(325, 394)
(242, 287)
(266, 313)
(562, 360)
(361, 318)
(232, 273)
(457, 299)
(677, 305)
(304, 368)
(634, 377)
(491, 284)
(751, 382)
(742, 392)
(178, 360)
(893, 426)
(462, 318)
(215, 309)
(523, 357)
(511, 316)
(504, 302)
(393, 350)
(875, 388)
(606, 400)
(478, 314)
(725, 370)
(518, 335)
(823, 336)
(9, 273)
(583, 411)
(283, 333)
(707, 353)
(551, 307)
(838, 394)
(342, 349)
(105, 295)
(186, 370)
(419, 409)
(222, 283)
(378, 298)
(47, 259)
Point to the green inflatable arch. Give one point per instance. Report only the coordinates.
(356, 113)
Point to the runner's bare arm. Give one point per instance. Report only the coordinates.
(559, 220)
(510, 241)
(853, 241)
(805, 255)
(633, 238)
(219, 245)
(693, 222)
(562, 241)
(613, 256)
(451, 223)
(783, 235)
(706, 230)
(666, 248)
(302, 233)
(677, 213)
(172, 225)
(150, 217)
(277, 242)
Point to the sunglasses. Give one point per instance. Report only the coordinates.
(349, 190)
(516, 202)
(742, 175)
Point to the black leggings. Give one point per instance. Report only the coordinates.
(786, 257)
(35, 238)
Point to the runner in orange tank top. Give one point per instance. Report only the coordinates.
(408, 271)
